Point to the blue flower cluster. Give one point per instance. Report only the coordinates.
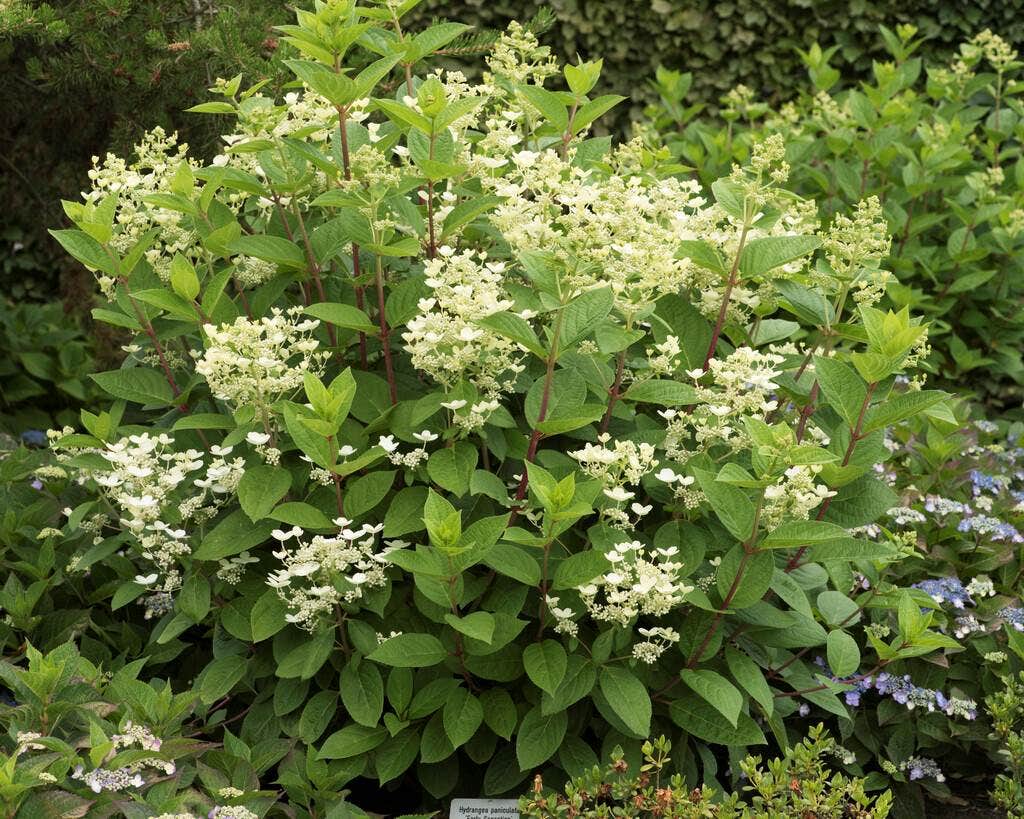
(946, 590)
(993, 527)
(903, 691)
(981, 482)
(1013, 616)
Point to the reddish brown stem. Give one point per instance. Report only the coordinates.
(613, 392)
(748, 552)
(726, 296)
(855, 434)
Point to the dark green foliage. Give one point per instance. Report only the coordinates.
(727, 43)
(79, 79)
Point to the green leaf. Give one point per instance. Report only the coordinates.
(860, 502)
(733, 507)
(628, 698)
(352, 740)
(405, 513)
(539, 737)
(394, 757)
(500, 712)
(702, 254)
(750, 677)
(270, 249)
(844, 390)
(760, 256)
(410, 651)
(138, 384)
(548, 103)
(303, 515)
(802, 533)
(363, 494)
(362, 692)
(267, 615)
(665, 393)
(260, 489)
(579, 569)
(308, 656)
(691, 713)
(479, 625)
(582, 315)
(317, 715)
(220, 676)
(86, 250)
(452, 467)
(234, 534)
(899, 407)
(749, 577)
(517, 329)
(716, 690)
(513, 562)
(343, 315)
(843, 653)
(545, 664)
(462, 715)
(194, 597)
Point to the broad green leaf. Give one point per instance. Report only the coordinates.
(138, 384)
(267, 615)
(269, 248)
(733, 507)
(750, 678)
(717, 691)
(666, 393)
(759, 256)
(499, 712)
(232, 535)
(410, 650)
(628, 698)
(842, 387)
(260, 489)
(220, 676)
(581, 316)
(539, 737)
(343, 315)
(691, 713)
(462, 715)
(843, 653)
(452, 467)
(479, 625)
(405, 512)
(362, 692)
(352, 740)
(194, 598)
(545, 664)
(516, 328)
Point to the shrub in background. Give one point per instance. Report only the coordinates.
(79, 79)
(726, 44)
(939, 146)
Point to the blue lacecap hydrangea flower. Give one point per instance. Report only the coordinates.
(33, 437)
(946, 590)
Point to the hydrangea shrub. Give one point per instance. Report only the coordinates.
(455, 443)
(938, 142)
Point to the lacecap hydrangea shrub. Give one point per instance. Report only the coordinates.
(931, 148)
(455, 444)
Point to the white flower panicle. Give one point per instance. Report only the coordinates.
(257, 362)
(309, 579)
(445, 340)
(639, 582)
(742, 385)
